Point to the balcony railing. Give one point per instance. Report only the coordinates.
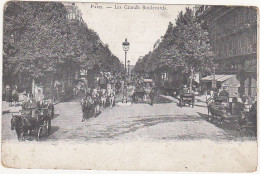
(250, 49)
(232, 30)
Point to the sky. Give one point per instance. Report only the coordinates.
(141, 27)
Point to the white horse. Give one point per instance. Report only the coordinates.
(111, 98)
(95, 96)
(103, 98)
(76, 91)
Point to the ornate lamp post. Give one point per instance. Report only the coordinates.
(128, 63)
(126, 46)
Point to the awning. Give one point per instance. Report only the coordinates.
(218, 78)
(148, 80)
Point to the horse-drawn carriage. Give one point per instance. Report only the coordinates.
(33, 121)
(143, 88)
(138, 95)
(221, 110)
(248, 122)
(187, 98)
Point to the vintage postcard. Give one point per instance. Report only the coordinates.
(121, 86)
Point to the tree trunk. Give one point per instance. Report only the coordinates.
(33, 88)
(191, 79)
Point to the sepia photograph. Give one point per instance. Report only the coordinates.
(92, 76)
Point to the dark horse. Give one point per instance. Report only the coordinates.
(23, 126)
(16, 123)
(87, 106)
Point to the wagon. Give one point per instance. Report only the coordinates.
(224, 111)
(248, 122)
(33, 121)
(187, 98)
(139, 94)
(44, 123)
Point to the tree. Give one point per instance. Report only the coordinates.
(42, 38)
(46, 37)
(184, 48)
(193, 45)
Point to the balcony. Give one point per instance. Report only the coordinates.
(234, 29)
(246, 50)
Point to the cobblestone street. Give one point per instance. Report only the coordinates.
(162, 121)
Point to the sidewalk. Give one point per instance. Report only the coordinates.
(9, 109)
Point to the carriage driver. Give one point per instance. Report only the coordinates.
(185, 90)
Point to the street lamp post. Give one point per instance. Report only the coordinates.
(126, 46)
(128, 63)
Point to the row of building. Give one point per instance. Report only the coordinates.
(233, 37)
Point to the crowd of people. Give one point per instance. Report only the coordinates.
(101, 95)
(11, 96)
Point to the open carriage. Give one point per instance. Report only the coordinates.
(33, 121)
(225, 111)
(220, 109)
(142, 90)
(187, 98)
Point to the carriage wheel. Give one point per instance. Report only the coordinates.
(52, 113)
(39, 134)
(48, 127)
(180, 102)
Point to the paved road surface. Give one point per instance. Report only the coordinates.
(163, 121)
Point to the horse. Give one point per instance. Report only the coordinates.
(111, 98)
(16, 123)
(95, 97)
(76, 91)
(24, 126)
(103, 98)
(96, 105)
(86, 106)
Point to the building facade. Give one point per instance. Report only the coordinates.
(233, 36)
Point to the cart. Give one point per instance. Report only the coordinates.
(248, 122)
(44, 123)
(187, 98)
(139, 95)
(224, 111)
(35, 119)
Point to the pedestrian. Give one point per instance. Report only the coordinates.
(152, 93)
(185, 90)
(15, 96)
(95, 97)
(86, 106)
(8, 94)
(234, 98)
(134, 96)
